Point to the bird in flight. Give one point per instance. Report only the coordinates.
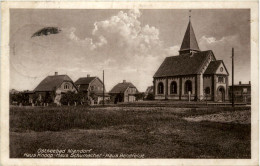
(47, 31)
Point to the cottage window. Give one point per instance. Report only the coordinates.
(92, 87)
(173, 88)
(188, 87)
(244, 90)
(66, 86)
(160, 88)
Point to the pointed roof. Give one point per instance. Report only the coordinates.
(84, 80)
(121, 87)
(186, 64)
(189, 41)
(213, 66)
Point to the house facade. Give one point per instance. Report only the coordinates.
(242, 92)
(123, 92)
(92, 87)
(191, 75)
(54, 86)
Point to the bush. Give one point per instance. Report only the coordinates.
(71, 98)
(139, 96)
(150, 96)
(19, 98)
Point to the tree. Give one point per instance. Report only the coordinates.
(150, 96)
(139, 96)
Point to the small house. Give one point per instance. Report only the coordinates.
(52, 87)
(92, 88)
(242, 92)
(123, 92)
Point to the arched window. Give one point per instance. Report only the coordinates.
(173, 88)
(160, 88)
(188, 87)
(66, 86)
(207, 90)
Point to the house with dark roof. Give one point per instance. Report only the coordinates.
(123, 92)
(148, 91)
(242, 92)
(191, 75)
(92, 87)
(54, 86)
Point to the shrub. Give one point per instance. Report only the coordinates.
(71, 98)
(139, 96)
(150, 96)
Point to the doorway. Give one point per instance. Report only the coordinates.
(221, 94)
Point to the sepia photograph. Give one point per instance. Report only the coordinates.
(130, 83)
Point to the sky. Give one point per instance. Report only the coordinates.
(128, 44)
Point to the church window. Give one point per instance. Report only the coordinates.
(160, 88)
(188, 87)
(221, 69)
(207, 90)
(221, 79)
(173, 88)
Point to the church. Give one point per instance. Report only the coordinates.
(192, 75)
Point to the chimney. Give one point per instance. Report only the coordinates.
(239, 82)
(88, 75)
(249, 82)
(124, 81)
(56, 73)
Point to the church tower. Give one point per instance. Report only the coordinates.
(189, 43)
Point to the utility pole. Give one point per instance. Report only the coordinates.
(233, 104)
(103, 88)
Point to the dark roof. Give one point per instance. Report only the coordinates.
(84, 80)
(213, 66)
(50, 83)
(149, 89)
(121, 87)
(189, 41)
(240, 85)
(185, 64)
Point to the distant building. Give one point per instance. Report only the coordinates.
(148, 91)
(193, 73)
(92, 87)
(123, 92)
(242, 92)
(54, 86)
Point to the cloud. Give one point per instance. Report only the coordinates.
(121, 45)
(222, 50)
(173, 51)
(205, 41)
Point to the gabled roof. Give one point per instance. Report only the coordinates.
(121, 87)
(50, 83)
(149, 89)
(189, 41)
(213, 66)
(186, 64)
(84, 80)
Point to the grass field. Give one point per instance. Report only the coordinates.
(156, 132)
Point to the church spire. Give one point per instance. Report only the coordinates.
(189, 43)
